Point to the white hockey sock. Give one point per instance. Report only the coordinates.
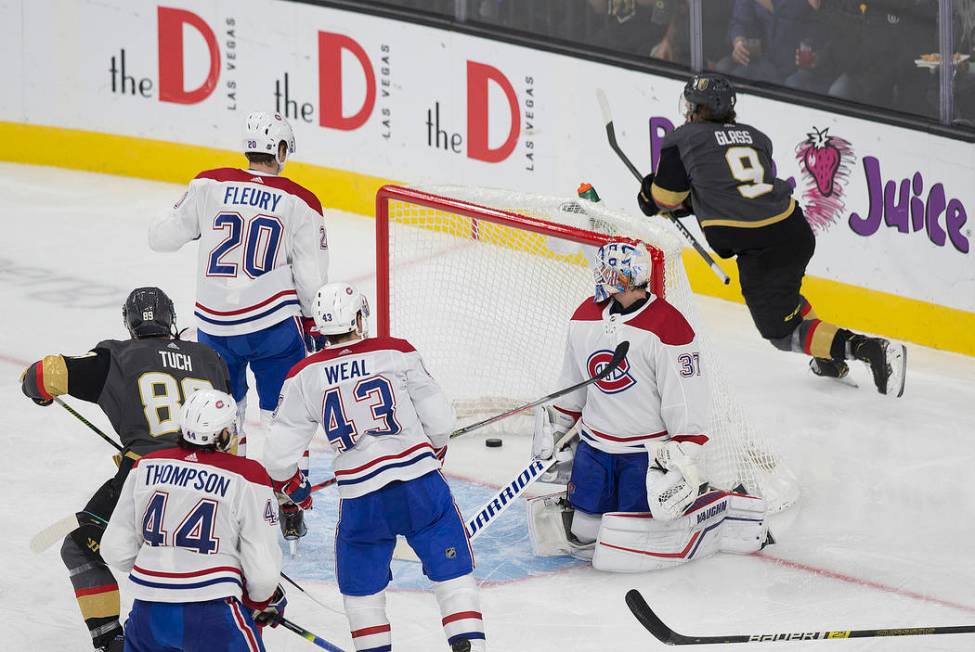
(585, 526)
(368, 622)
(241, 430)
(460, 607)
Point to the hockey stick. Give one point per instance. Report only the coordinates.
(492, 509)
(666, 635)
(610, 367)
(611, 136)
(57, 531)
(75, 414)
(304, 633)
(310, 596)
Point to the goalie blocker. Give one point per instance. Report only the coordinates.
(634, 542)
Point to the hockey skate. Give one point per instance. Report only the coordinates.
(829, 368)
(292, 526)
(887, 360)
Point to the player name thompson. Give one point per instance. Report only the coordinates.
(182, 476)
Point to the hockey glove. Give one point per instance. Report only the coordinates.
(314, 341)
(271, 611)
(295, 490)
(31, 388)
(645, 197)
(292, 521)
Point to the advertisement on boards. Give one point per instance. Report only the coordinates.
(892, 208)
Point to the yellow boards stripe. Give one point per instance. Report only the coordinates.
(857, 308)
(847, 305)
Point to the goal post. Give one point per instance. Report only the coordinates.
(484, 281)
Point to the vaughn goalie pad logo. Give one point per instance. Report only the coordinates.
(618, 381)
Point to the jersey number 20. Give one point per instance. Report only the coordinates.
(261, 240)
(342, 431)
(746, 166)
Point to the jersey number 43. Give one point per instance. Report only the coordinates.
(377, 394)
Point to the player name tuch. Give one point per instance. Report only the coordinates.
(247, 196)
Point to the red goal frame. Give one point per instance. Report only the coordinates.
(477, 213)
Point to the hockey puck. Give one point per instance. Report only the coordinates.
(493, 442)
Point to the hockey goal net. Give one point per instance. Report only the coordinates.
(483, 282)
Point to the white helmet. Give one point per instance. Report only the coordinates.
(618, 267)
(336, 306)
(205, 415)
(263, 132)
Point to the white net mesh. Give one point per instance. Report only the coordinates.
(488, 303)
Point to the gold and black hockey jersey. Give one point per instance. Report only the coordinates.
(727, 171)
(139, 384)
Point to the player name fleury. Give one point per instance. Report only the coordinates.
(247, 196)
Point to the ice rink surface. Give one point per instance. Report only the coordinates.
(883, 535)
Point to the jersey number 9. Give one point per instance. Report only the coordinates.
(746, 166)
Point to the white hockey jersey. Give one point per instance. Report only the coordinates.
(657, 393)
(263, 250)
(380, 409)
(195, 526)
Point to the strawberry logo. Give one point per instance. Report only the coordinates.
(826, 161)
(822, 159)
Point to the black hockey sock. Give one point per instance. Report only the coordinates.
(840, 349)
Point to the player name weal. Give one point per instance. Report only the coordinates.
(247, 196)
(182, 476)
(345, 371)
(506, 496)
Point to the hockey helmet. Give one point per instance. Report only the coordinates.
(263, 132)
(336, 307)
(712, 91)
(149, 312)
(205, 415)
(618, 267)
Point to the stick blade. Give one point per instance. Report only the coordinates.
(621, 350)
(53, 534)
(639, 607)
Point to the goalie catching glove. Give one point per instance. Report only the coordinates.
(673, 479)
(550, 426)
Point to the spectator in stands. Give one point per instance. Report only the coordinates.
(877, 42)
(647, 28)
(765, 36)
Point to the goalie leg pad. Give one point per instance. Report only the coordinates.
(368, 622)
(636, 542)
(745, 528)
(460, 607)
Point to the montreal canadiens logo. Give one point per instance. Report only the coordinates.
(615, 382)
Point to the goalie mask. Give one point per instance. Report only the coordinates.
(618, 267)
(205, 416)
(336, 308)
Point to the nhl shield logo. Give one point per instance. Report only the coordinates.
(618, 381)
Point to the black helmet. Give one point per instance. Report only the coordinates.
(148, 312)
(712, 91)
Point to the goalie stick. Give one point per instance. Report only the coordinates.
(615, 146)
(666, 635)
(488, 513)
(503, 499)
